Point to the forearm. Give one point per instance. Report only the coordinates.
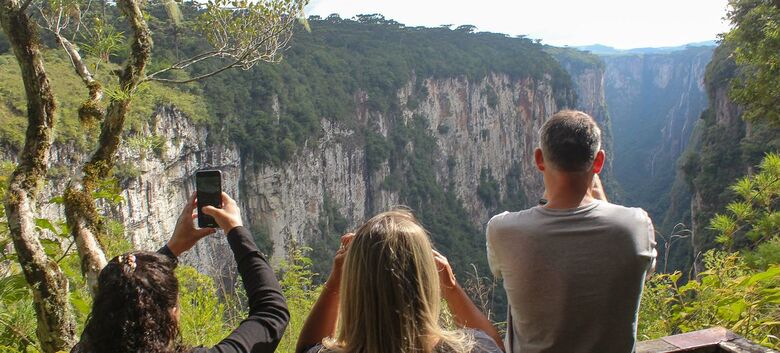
(266, 300)
(321, 322)
(268, 316)
(466, 314)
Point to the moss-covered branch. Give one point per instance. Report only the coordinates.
(80, 209)
(56, 328)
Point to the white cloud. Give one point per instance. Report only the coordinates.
(618, 23)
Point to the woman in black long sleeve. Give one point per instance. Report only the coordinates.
(136, 304)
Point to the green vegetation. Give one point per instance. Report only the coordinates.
(756, 40)
(344, 63)
(488, 189)
(271, 110)
(71, 93)
(738, 290)
(301, 292)
(576, 60)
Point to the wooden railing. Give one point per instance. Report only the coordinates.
(713, 340)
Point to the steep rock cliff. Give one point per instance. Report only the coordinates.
(722, 148)
(471, 131)
(654, 101)
(486, 125)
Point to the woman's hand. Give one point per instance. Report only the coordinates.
(338, 261)
(464, 312)
(322, 318)
(185, 235)
(447, 281)
(227, 217)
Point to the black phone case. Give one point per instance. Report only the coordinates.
(204, 220)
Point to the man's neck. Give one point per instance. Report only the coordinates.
(566, 191)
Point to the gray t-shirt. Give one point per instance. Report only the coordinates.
(573, 277)
(482, 344)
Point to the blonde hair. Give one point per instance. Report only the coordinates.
(390, 300)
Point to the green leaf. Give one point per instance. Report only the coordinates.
(81, 305)
(733, 311)
(13, 288)
(742, 210)
(51, 247)
(57, 200)
(771, 273)
(44, 223)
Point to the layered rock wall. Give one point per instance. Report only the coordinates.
(488, 124)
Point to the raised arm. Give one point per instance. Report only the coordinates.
(321, 322)
(463, 310)
(268, 316)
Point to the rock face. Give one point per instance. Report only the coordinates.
(490, 124)
(159, 186)
(470, 133)
(654, 102)
(722, 149)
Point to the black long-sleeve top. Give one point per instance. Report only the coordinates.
(268, 316)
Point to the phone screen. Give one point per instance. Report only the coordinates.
(208, 184)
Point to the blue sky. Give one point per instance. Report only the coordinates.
(618, 23)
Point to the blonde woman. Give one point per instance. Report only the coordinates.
(385, 290)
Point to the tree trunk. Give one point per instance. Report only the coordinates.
(80, 210)
(56, 327)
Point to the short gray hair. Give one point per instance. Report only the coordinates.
(570, 141)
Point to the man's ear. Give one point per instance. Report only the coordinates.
(598, 162)
(539, 159)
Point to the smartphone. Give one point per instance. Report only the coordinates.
(208, 186)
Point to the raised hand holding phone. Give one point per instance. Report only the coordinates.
(185, 235)
(227, 217)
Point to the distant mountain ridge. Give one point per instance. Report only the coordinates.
(600, 49)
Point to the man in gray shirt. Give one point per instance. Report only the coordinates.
(573, 269)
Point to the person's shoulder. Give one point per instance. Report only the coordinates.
(507, 217)
(482, 342)
(625, 212)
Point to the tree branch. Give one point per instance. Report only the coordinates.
(224, 68)
(25, 5)
(183, 64)
(56, 327)
(76, 60)
(80, 210)
(90, 110)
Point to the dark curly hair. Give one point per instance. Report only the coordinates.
(132, 308)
